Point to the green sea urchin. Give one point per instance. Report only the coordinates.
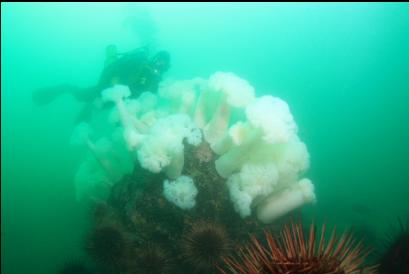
(205, 245)
(74, 267)
(152, 260)
(395, 259)
(107, 244)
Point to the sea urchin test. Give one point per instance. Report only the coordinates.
(251, 141)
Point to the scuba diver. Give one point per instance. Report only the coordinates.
(134, 69)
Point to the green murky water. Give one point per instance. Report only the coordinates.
(342, 68)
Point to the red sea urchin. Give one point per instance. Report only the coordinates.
(293, 253)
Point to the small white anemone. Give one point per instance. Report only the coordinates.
(279, 204)
(272, 115)
(238, 92)
(235, 92)
(133, 128)
(182, 192)
(181, 95)
(253, 183)
(163, 146)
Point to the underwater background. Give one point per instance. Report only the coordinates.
(343, 68)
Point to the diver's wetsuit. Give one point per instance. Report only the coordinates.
(132, 69)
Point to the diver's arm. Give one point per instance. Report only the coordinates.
(86, 94)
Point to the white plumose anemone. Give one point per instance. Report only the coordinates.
(235, 92)
(285, 201)
(182, 192)
(163, 146)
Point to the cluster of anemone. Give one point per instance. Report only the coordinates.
(249, 145)
(253, 140)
